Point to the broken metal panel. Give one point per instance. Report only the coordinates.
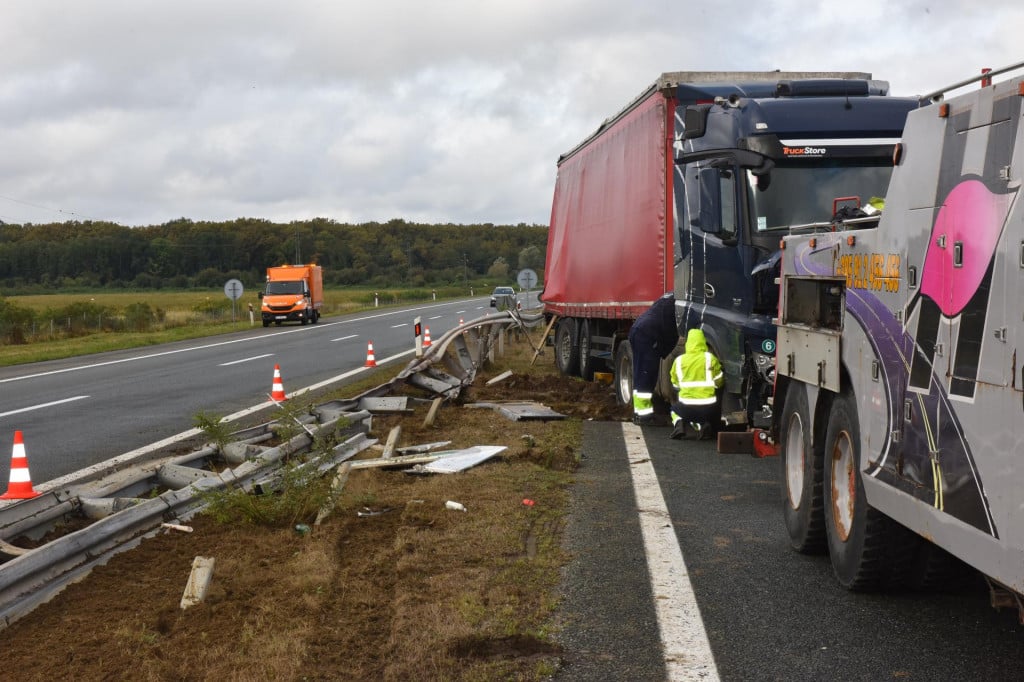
(521, 410)
(425, 447)
(393, 405)
(462, 459)
(444, 385)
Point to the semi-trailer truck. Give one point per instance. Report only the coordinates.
(294, 293)
(898, 404)
(674, 193)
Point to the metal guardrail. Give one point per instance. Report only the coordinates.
(116, 501)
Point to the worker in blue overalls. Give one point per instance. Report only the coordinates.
(652, 337)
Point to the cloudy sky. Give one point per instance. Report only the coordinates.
(144, 111)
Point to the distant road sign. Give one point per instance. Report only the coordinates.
(233, 289)
(527, 278)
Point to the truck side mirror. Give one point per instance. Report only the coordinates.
(695, 121)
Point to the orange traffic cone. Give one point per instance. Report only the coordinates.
(277, 392)
(370, 362)
(20, 487)
(426, 337)
(460, 321)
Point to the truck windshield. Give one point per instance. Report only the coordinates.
(284, 287)
(805, 193)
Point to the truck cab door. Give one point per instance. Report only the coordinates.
(719, 277)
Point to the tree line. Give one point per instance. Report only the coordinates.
(38, 258)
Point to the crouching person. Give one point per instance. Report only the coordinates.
(696, 376)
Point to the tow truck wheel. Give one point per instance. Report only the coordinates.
(266, 323)
(803, 499)
(567, 351)
(868, 550)
(624, 374)
(586, 360)
(316, 316)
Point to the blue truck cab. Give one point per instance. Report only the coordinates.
(754, 160)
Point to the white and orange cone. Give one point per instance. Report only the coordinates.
(460, 321)
(370, 361)
(20, 487)
(277, 392)
(426, 337)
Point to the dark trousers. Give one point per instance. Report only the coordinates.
(646, 363)
(710, 414)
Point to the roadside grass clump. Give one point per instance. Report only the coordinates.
(213, 427)
(297, 492)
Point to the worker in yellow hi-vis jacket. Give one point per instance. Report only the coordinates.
(696, 376)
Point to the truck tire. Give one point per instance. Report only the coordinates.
(624, 373)
(936, 570)
(803, 501)
(567, 350)
(306, 317)
(586, 345)
(316, 316)
(266, 323)
(869, 551)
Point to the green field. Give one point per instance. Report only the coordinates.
(69, 324)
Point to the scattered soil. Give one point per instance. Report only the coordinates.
(391, 586)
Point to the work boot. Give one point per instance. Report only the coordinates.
(704, 432)
(679, 430)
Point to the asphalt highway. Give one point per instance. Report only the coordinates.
(767, 612)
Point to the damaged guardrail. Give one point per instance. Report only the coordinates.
(116, 503)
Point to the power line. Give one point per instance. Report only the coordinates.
(47, 208)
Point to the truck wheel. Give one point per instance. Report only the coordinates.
(868, 549)
(567, 350)
(266, 323)
(586, 360)
(306, 316)
(803, 502)
(624, 374)
(316, 316)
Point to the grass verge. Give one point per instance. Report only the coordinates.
(391, 586)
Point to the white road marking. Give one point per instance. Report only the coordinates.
(396, 326)
(684, 641)
(43, 405)
(238, 362)
(345, 338)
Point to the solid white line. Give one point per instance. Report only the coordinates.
(396, 326)
(345, 338)
(42, 405)
(684, 641)
(238, 362)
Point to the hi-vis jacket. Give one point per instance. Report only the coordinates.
(697, 372)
